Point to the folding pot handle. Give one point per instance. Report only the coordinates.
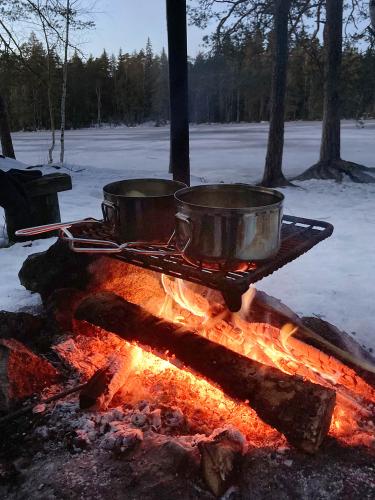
(107, 208)
(189, 224)
(32, 231)
(103, 246)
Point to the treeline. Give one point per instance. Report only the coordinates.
(230, 83)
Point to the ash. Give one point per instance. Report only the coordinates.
(117, 430)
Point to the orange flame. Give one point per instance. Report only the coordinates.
(204, 311)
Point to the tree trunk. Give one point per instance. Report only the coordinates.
(330, 164)
(99, 105)
(65, 79)
(5, 136)
(238, 106)
(52, 123)
(273, 175)
(372, 13)
(49, 91)
(330, 145)
(296, 407)
(178, 89)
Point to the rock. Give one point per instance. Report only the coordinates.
(22, 373)
(121, 439)
(58, 267)
(8, 473)
(139, 419)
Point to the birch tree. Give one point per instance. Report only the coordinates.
(67, 15)
(54, 19)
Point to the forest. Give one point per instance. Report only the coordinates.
(229, 82)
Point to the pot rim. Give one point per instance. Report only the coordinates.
(276, 205)
(179, 186)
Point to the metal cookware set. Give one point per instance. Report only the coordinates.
(224, 225)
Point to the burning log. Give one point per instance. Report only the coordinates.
(22, 373)
(106, 382)
(299, 409)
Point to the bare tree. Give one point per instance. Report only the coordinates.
(45, 16)
(330, 164)
(372, 14)
(273, 175)
(5, 136)
(236, 17)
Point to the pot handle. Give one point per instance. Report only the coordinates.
(111, 247)
(107, 208)
(32, 231)
(187, 221)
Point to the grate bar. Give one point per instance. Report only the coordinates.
(298, 235)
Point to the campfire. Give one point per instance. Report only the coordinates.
(270, 339)
(155, 356)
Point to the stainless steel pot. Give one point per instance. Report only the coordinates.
(222, 226)
(141, 210)
(226, 225)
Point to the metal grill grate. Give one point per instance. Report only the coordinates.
(298, 235)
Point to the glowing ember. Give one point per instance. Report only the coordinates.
(204, 311)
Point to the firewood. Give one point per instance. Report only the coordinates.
(299, 409)
(314, 331)
(57, 267)
(22, 373)
(219, 455)
(107, 381)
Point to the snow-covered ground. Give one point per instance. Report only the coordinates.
(335, 280)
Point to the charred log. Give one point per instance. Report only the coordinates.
(315, 332)
(343, 341)
(23, 327)
(106, 382)
(57, 267)
(299, 409)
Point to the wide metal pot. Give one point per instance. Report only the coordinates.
(141, 210)
(227, 225)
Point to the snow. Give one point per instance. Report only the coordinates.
(334, 281)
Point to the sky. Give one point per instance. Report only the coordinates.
(128, 23)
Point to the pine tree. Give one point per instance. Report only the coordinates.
(149, 81)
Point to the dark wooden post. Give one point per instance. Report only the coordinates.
(178, 90)
(5, 136)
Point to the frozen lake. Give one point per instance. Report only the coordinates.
(335, 280)
(217, 151)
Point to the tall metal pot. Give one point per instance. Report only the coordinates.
(227, 225)
(141, 209)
